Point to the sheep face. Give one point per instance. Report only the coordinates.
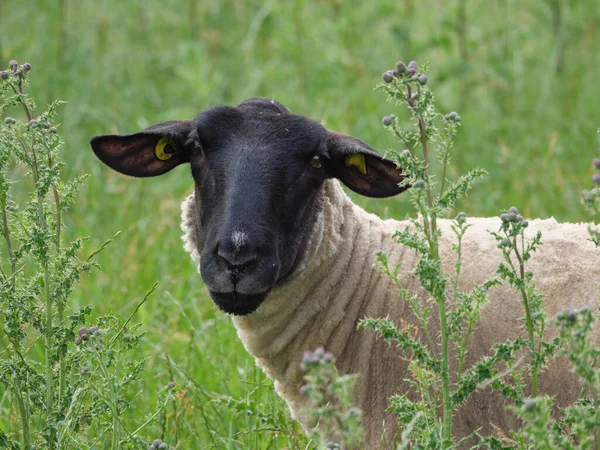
(257, 171)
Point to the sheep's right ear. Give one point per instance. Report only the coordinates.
(149, 152)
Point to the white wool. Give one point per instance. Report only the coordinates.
(336, 285)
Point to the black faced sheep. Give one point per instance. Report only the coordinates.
(284, 250)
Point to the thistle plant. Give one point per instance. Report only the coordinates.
(330, 399)
(422, 141)
(517, 251)
(430, 134)
(65, 380)
(578, 426)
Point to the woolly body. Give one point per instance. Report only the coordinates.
(335, 285)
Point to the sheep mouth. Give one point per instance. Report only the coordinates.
(238, 304)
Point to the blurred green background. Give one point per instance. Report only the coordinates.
(523, 74)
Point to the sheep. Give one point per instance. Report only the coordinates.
(284, 250)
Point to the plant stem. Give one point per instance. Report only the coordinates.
(113, 406)
(59, 302)
(429, 214)
(447, 408)
(463, 350)
(6, 234)
(528, 320)
(44, 262)
(445, 165)
(24, 420)
(423, 137)
(48, 295)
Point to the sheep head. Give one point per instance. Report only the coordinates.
(257, 171)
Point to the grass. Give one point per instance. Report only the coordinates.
(526, 72)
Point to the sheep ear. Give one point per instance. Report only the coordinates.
(361, 168)
(147, 153)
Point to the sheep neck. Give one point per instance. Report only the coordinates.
(320, 304)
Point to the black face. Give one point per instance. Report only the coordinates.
(257, 170)
(257, 173)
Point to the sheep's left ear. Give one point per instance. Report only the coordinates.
(361, 168)
(147, 153)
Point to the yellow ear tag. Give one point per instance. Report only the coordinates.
(358, 160)
(161, 145)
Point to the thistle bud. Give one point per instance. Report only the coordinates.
(419, 184)
(411, 71)
(423, 80)
(513, 209)
(512, 217)
(587, 196)
(387, 76)
(387, 121)
(157, 442)
(171, 384)
(504, 243)
(13, 64)
(400, 67)
(26, 67)
(525, 224)
(504, 217)
(596, 178)
(4, 75)
(82, 331)
(9, 121)
(53, 130)
(568, 313)
(412, 65)
(307, 359)
(392, 116)
(451, 116)
(596, 163)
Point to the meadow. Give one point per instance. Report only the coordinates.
(522, 74)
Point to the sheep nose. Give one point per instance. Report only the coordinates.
(237, 259)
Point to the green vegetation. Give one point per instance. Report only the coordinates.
(522, 74)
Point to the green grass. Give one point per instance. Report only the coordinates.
(522, 74)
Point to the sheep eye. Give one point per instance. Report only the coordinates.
(316, 162)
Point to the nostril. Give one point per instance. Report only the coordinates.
(237, 259)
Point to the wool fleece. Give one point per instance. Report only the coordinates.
(336, 284)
